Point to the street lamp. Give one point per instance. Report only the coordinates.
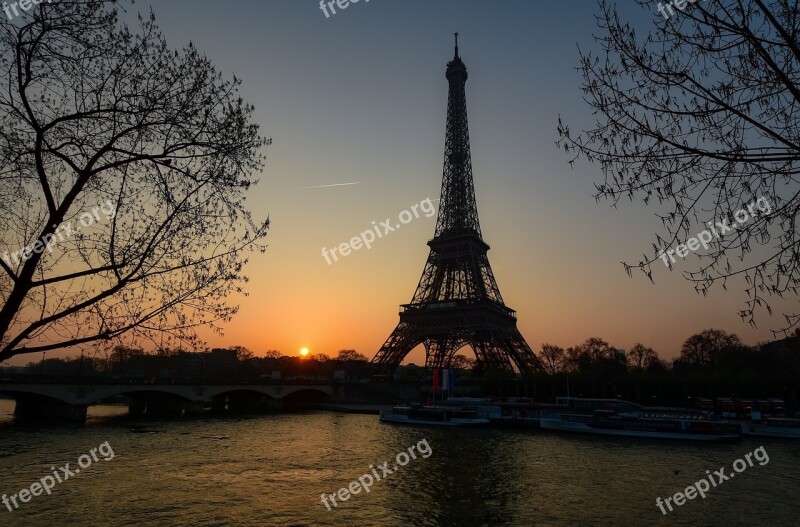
(41, 369)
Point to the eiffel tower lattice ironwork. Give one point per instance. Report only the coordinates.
(457, 302)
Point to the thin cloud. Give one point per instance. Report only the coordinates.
(334, 185)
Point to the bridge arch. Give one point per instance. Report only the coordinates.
(305, 398)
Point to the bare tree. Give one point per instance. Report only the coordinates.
(96, 116)
(462, 362)
(553, 358)
(320, 357)
(641, 357)
(596, 350)
(573, 360)
(351, 355)
(701, 115)
(705, 348)
(242, 354)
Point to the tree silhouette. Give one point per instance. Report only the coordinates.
(641, 357)
(273, 354)
(462, 362)
(320, 357)
(242, 354)
(92, 112)
(552, 358)
(706, 348)
(595, 350)
(351, 355)
(701, 116)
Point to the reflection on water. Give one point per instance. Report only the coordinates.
(271, 470)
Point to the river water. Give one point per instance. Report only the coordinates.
(271, 470)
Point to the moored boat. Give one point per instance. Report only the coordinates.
(772, 427)
(432, 416)
(632, 424)
(509, 411)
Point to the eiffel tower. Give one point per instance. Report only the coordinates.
(457, 301)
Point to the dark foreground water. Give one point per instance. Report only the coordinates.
(271, 470)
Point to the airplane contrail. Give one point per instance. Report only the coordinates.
(335, 185)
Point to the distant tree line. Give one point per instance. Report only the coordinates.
(712, 363)
(234, 364)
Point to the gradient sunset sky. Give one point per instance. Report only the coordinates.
(361, 97)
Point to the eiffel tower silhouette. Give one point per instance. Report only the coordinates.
(457, 301)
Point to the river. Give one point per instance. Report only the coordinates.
(271, 470)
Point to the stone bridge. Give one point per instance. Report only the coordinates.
(70, 400)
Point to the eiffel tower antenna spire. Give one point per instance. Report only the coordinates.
(457, 301)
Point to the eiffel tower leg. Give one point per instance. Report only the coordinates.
(431, 349)
(396, 347)
(439, 352)
(522, 354)
(490, 355)
(499, 357)
(505, 350)
(451, 354)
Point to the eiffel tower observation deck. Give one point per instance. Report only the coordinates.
(457, 302)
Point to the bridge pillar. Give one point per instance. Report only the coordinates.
(43, 408)
(137, 407)
(218, 404)
(195, 408)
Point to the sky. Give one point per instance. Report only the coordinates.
(360, 97)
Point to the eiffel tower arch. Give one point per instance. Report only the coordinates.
(457, 302)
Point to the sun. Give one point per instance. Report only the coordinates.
(304, 352)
